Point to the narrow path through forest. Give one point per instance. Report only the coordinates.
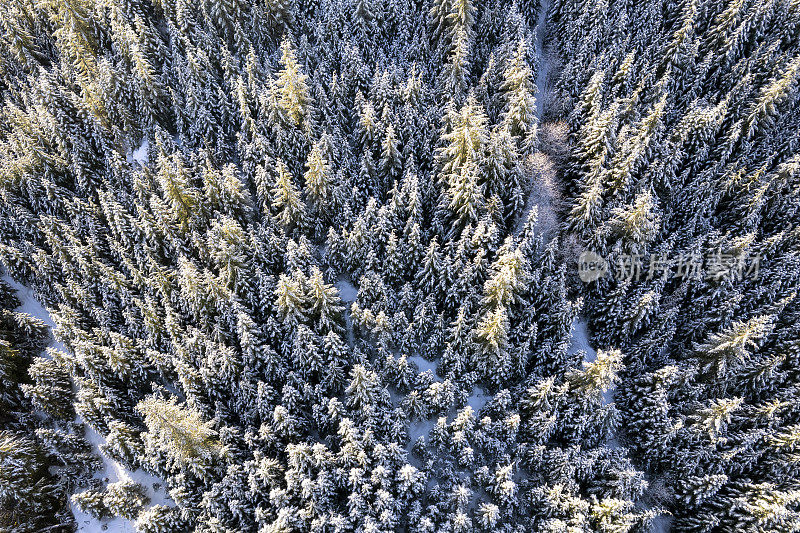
(543, 195)
(544, 190)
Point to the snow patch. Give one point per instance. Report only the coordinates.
(662, 524)
(420, 428)
(140, 154)
(579, 341)
(543, 189)
(478, 399)
(543, 63)
(424, 365)
(543, 195)
(31, 306)
(347, 292)
(112, 472)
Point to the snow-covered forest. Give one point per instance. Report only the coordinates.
(399, 266)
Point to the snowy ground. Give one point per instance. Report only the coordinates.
(580, 340)
(580, 343)
(419, 429)
(662, 524)
(424, 365)
(348, 293)
(543, 195)
(543, 63)
(111, 470)
(478, 399)
(31, 306)
(140, 155)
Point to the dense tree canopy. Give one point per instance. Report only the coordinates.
(315, 264)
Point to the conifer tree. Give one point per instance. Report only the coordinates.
(291, 88)
(291, 210)
(313, 265)
(180, 434)
(520, 107)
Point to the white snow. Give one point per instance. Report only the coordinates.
(347, 292)
(140, 154)
(543, 63)
(579, 343)
(543, 195)
(31, 306)
(662, 524)
(419, 429)
(111, 471)
(580, 340)
(424, 365)
(478, 399)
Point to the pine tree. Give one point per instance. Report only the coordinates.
(124, 443)
(52, 390)
(636, 224)
(292, 300)
(159, 519)
(27, 490)
(325, 304)
(291, 88)
(91, 501)
(286, 200)
(179, 433)
(519, 115)
(491, 336)
(318, 181)
(725, 350)
(390, 163)
(125, 499)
